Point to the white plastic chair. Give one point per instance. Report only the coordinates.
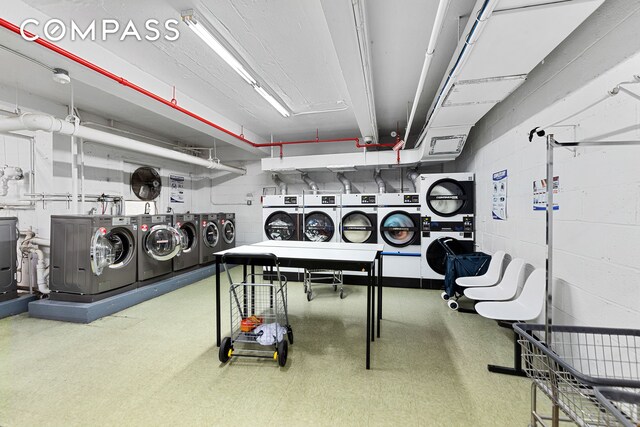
(512, 280)
(527, 306)
(490, 278)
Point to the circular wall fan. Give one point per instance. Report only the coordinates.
(146, 183)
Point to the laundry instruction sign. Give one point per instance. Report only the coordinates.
(499, 209)
(540, 194)
(177, 188)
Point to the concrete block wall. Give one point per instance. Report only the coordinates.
(597, 228)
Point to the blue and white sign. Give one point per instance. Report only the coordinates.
(177, 189)
(499, 210)
(540, 194)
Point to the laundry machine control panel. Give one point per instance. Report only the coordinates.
(368, 200)
(411, 199)
(328, 200)
(291, 200)
(120, 220)
(464, 227)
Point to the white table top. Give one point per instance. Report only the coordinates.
(321, 245)
(309, 252)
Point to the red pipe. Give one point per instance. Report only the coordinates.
(172, 104)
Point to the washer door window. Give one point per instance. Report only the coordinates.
(439, 249)
(280, 226)
(162, 242)
(356, 228)
(210, 234)
(188, 237)
(399, 229)
(318, 227)
(123, 247)
(102, 252)
(446, 197)
(228, 231)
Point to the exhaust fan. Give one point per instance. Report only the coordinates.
(146, 183)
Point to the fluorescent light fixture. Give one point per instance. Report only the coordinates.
(206, 36)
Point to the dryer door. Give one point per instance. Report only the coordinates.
(162, 242)
(447, 197)
(399, 229)
(439, 249)
(188, 236)
(356, 228)
(318, 227)
(102, 252)
(210, 234)
(229, 231)
(280, 226)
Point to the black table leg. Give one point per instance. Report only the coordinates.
(217, 302)
(253, 290)
(379, 293)
(369, 290)
(373, 303)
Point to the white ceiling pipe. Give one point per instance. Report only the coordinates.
(346, 184)
(43, 122)
(433, 39)
(311, 183)
(281, 185)
(382, 186)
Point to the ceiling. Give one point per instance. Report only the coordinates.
(295, 48)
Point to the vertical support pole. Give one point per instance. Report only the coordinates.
(549, 261)
(217, 301)
(253, 289)
(374, 280)
(368, 328)
(244, 292)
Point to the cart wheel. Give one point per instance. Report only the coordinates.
(226, 350)
(309, 295)
(290, 334)
(342, 295)
(335, 288)
(283, 350)
(445, 296)
(453, 305)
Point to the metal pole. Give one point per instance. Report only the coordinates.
(549, 263)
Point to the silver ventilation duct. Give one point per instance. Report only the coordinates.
(413, 176)
(346, 184)
(281, 185)
(311, 183)
(382, 186)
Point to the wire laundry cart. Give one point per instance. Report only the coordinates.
(259, 317)
(459, 264)
(591, 374)
(323, 277)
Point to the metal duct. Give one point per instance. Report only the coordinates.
(413, 176)
(382, 186)
(281, 185)
(311, 183)
(346, 184)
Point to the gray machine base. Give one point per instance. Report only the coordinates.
(16, 305)
(88, 312)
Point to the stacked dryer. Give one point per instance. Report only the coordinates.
(448, 212)
(282, 216)
(321, 216)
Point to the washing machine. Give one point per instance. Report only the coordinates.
(321, 217)
(158, 243)
(458, 237)
(228, 229)
(359, 223)
(210, 237)
(447, 197)
(188, 225)
(8, 260)
(92, 257)
(282, 217)
(399, 231)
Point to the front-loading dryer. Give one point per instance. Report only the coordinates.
(321, 217)
(447, 197)
(92, 257)
(210, 237)
(282, 217)
(8, 260)
(189, 228)
(399, 231)
(359, 221)
(158, 243)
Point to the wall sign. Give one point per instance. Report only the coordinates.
(540, 194)
(499, 210)
(177, 189)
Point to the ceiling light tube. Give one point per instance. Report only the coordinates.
(271, 100)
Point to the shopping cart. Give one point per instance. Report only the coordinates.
(323, 277)
(458, 263)
(259, 316)
(590, 374)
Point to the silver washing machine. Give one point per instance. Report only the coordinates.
(210, 237)
(158, 243)
(228, 229)
(8, 259)
(189, 228)
(92, 257)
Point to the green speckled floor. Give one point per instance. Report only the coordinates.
(157, 364)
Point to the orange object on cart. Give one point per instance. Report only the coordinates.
(248, 324)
